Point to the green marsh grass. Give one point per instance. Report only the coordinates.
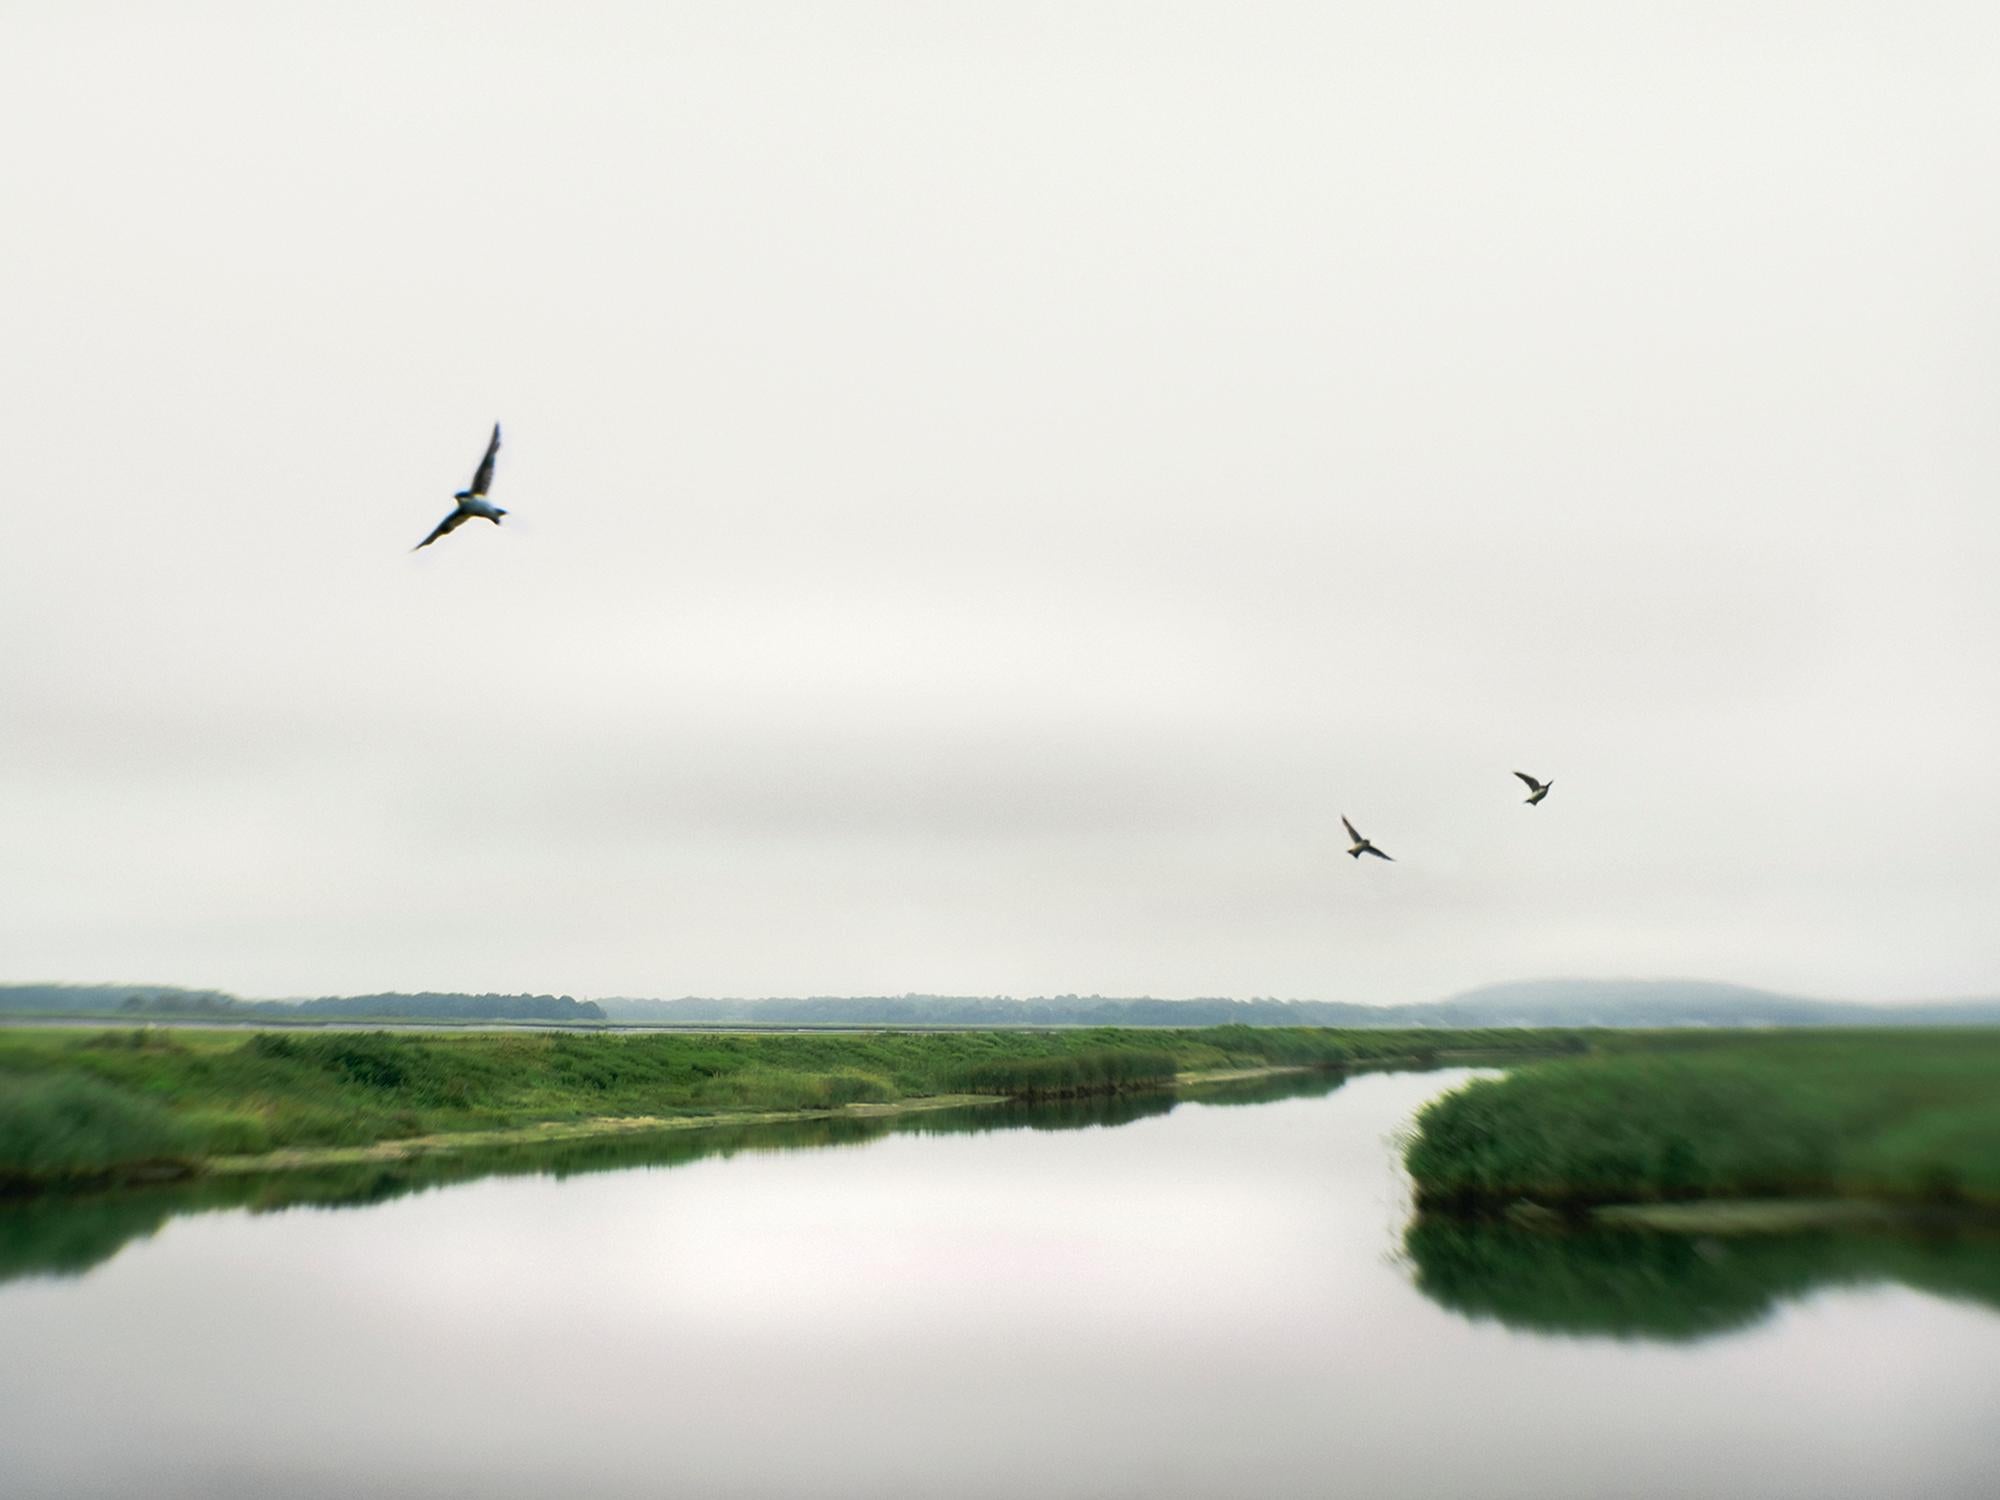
(1070, 1075)
(78, 1103)
(1902, 1116)
(78, 1127)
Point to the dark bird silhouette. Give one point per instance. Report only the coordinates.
(1361, 845)
(1536, 789)
(472, 499)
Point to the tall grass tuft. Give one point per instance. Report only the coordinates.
(77, 1127)
(1066, 1077)
(1912, 1116)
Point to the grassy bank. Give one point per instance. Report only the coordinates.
(1893, 1116)
(83, 1105)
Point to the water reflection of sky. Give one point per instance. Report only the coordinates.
(1211, 1301)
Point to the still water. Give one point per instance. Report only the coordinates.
(1209, 1298)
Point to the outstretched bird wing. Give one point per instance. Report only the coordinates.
(1350, 831)
(1533, 785)
(1371, 849)
(449, 524)
(483, 480)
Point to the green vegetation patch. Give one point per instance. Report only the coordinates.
(1900, 1116)
(1070, 1075)
(76, 1127)
(78, 1102)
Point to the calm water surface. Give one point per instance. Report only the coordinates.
(1213, 1300)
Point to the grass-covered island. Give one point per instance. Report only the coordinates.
(90, 1106)
(1717, 1130)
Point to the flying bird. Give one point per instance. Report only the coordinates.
(1537, 789)
(472, 499)
(1361, 845)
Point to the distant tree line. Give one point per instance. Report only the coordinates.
(109, 999)
(1563, 1002)
(1538, 1003)
(992, 1010)
(443, 1007)
(166, 1002)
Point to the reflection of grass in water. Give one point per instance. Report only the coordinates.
(1670, 1286)
(1266, 1090)
(68, 1234)
(66, 1237)
(1121, 1109)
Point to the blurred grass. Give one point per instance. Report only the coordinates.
(1675, 1286)
(1903, 1116)
(72, 1126)
(83, 1104)
(1069, 1076)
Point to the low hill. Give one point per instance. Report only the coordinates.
(1685, 1002)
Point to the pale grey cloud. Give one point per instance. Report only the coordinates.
(989, 486)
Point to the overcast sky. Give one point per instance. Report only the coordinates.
(989, 485)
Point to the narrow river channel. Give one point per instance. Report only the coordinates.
(1217, 1297)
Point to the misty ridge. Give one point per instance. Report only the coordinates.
(153, 1001)
(1549, 1002)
